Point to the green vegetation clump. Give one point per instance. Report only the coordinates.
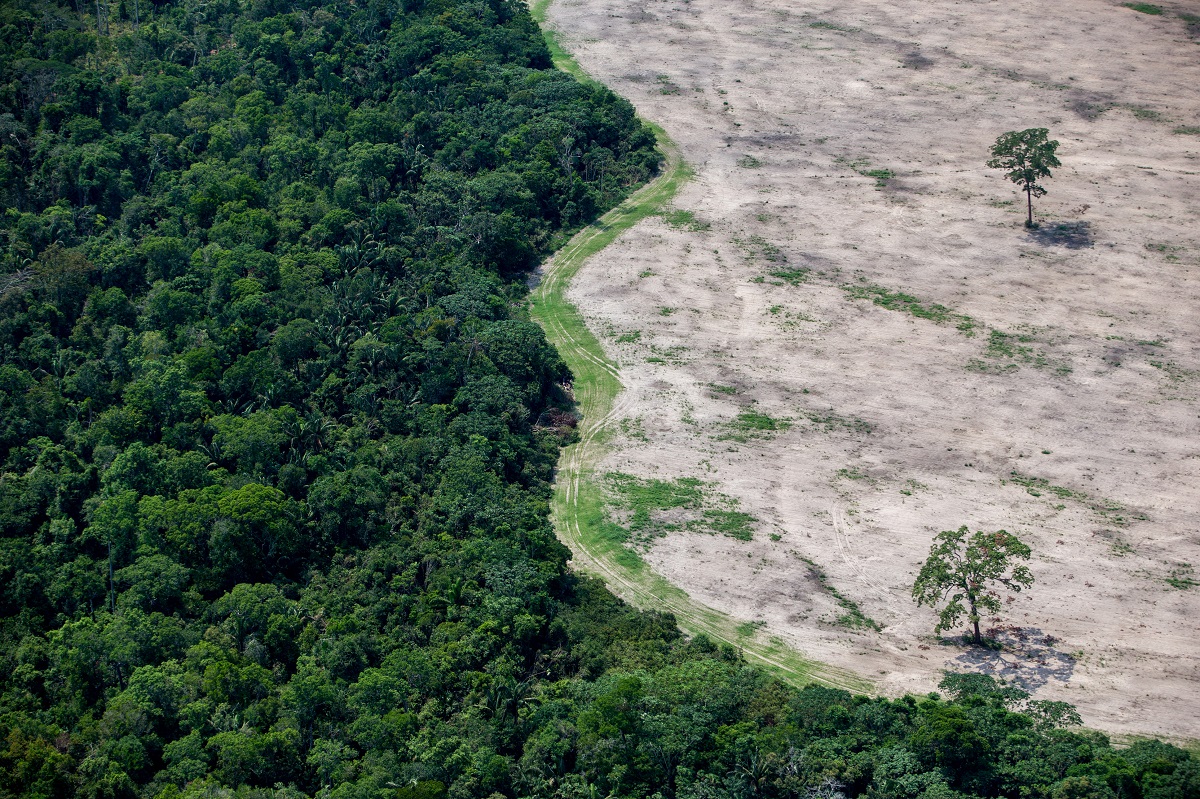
(750, 425)
(731, 523)
(1106, 509)
(1145, 8)
(882, 176)
(646, 499)
(1183, 577)
(685, 220)
(853, 618)
(1008, 352)
(793, 276)
(650, 508)
(907, 303)
(1147, 114)
(830, 422)
(756, 247)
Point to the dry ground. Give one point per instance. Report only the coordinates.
(1081, 371)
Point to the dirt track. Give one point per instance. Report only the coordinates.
(1080, 374)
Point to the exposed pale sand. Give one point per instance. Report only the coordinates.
(1104, 403)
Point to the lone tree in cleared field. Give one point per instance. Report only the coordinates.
(963, 571)
(1026, 156)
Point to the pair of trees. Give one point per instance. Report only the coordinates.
(964, 569)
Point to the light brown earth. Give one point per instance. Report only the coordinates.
(779, 106)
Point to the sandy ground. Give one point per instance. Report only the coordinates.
(901, 426)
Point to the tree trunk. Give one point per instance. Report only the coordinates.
(975, 619)
(1029, 202)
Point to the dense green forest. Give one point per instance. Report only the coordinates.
(277, 437)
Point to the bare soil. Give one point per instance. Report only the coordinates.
(1053, 395)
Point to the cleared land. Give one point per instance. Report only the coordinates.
(846, 335)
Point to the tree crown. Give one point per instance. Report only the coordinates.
(1026, 156)
(963, 570)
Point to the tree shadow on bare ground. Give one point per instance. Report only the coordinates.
(1072, 235)
(1023, 655)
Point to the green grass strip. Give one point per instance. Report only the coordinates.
(578, 505)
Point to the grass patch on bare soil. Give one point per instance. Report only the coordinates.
(1107, 509)
(685, 220)
(1004, 353)
(756, 247)
(750, 425)
(650, 508)
(882, 176)
(1182, 577)
(831, 422)
(907, 303)
(578, 506)
(793, 276)
(853, 618)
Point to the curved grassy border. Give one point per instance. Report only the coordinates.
(577, 508)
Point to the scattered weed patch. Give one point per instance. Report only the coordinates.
(751, 425)
(1182, 577)
(830, 26)
(1145, 8)
(793, 276)
(684, 220)
(749, 162)
(758, 247)
(732, 523)
(748, 629)
(1170, 252)
(906, 303)
(830, 422)
(1007, 352)
(882, 176)
(853, 618)
(632, 428)
(1010, 345)
(1039, 486)
(632, 337)
(1174, 372)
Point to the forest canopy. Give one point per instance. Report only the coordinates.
(277, 438)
